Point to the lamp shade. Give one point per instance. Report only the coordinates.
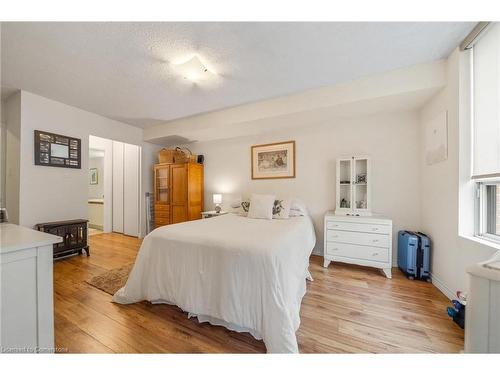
(217, 198)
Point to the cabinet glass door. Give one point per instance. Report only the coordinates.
(162, 182)
(345, 179)
(360, 184)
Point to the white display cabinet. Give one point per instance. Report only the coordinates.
(353, 186)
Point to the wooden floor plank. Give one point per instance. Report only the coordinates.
(347, 309)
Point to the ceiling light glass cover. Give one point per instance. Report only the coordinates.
(193, 70)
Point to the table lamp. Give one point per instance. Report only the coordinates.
(217, 202)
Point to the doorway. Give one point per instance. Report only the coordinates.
(114, 186)
(96, 190)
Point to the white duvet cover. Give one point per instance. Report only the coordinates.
(246, 274)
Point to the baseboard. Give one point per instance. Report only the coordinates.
(438, 283)
(317, 252)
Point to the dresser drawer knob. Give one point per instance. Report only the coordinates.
(335, 249)
(374, 254)
(375, 241)
(374, 229)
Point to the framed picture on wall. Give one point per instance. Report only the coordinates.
(273, 160)
(56, 150)
(94, 177)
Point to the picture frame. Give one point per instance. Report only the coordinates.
(56, 150)
(94, 176)
(273, 160)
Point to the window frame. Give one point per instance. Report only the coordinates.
(481, 219)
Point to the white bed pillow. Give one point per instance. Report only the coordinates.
(298, 208)
(261, 206)
(281, 208)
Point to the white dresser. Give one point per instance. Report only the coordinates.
(362, 240)
(26, 293)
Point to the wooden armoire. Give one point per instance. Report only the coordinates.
(178, 192)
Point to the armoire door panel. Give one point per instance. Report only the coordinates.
(178, 189)
(179, 214)
(162, 184)
(195, 191)
(178, 184)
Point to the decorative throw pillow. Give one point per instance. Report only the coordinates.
(245, 205)
(281, 209)
(261, 206)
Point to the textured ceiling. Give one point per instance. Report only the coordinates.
(124, 71)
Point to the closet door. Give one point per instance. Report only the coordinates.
(131, 168)
(118, 187)
(178, 180)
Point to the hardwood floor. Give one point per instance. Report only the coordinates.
(347, 309)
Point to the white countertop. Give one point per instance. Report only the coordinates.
(14, 237)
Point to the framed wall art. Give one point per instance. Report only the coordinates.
(55, 150)
(273, 160)
(94, 176)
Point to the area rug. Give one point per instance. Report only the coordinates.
(112, 280)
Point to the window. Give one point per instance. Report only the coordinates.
(489, 210)
(486, 131)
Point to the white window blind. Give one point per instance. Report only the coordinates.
(486, 104)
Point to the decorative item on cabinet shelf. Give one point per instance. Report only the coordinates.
(361, 178)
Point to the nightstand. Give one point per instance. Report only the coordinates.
(207, 214)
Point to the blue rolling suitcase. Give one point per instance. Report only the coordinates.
(414, 254)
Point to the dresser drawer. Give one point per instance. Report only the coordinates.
(164, 214)
(357, 252)
(358, 227)
(358, 238)
(159, 221)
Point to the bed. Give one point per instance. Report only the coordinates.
(248, 275)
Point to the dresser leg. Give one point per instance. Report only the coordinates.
(326, 263)
(387, 272)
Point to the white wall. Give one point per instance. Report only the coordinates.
(390, 139)
(12, 155)
(451, 254)
(48, 193)
(96, 190)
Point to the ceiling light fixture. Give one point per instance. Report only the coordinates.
(193, 69)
